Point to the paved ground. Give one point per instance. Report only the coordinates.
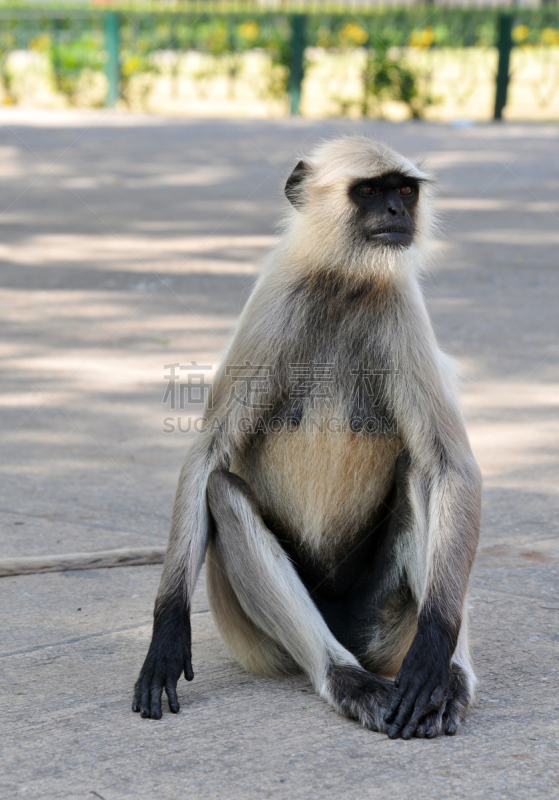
(130, 243)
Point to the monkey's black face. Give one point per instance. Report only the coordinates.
(385, 209)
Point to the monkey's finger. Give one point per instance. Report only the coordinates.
(155, 698)
(394, 706)
(406, 707)
(451, 727)
(396, 702)
(137, 697)
(145, 703)
(436, 726)
(421, 708)
(428, 711)
(171, 692)
(431, 725)
(453, 717)
(188, 672)
(425, 725)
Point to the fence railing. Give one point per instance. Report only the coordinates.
(121, 40)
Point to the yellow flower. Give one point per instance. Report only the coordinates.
(520, 32)
(424, 38)
(249, 30)
(41, 43)
(130, 66)
(550, 36)
(352, 33)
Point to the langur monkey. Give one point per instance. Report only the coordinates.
(333, 494)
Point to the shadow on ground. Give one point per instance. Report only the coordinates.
(131, 243)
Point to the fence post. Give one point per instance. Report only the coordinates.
(56, 28)
(296, 67)
(504, 46)
(112, 67)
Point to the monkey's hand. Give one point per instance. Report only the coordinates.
(169, 654)
(421, 690)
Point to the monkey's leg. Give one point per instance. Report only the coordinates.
(252, 648)
(275, 600)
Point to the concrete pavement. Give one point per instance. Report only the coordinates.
(128, 243)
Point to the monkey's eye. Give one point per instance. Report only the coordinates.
(406, 190)
(366, 190)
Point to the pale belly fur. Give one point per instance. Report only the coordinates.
(320, 488)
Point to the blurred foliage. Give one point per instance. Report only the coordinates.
(138, 67)
(390, 76)
(6, 47)
(71, 35)
(73, 60)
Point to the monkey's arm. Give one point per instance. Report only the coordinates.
(444, 486)
(169, 653)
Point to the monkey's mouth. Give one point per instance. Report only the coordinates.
(395, 235)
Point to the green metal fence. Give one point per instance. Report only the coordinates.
(121, 39)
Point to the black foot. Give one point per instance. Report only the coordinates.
(360, 695)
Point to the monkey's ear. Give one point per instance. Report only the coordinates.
(292, 185)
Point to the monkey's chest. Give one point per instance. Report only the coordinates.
(320, 488)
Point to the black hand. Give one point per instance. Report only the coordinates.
(168, 656)
(421, 683)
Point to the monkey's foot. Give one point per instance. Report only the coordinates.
(444, 714)
(360, 695)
